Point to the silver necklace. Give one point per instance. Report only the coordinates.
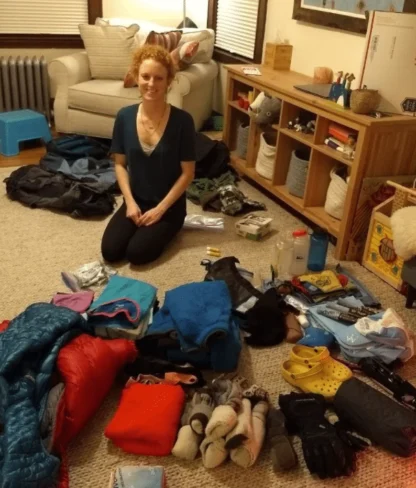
(152, 130)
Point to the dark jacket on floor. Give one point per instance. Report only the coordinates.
(38, 188)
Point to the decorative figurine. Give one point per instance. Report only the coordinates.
(310, 127)
(266, 112)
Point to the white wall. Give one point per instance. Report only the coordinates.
(312, 45)
(164, 12)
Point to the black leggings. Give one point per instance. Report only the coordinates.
(139, 245)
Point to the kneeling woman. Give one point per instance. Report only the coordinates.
(154, 147)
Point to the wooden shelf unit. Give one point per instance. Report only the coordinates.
(385, 147)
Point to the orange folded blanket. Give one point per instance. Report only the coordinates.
(147, 419)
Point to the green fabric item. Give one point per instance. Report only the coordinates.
(202, 186)
(210, 201)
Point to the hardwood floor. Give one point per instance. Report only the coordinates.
(30, 153)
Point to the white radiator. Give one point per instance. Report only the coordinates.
(24, 83)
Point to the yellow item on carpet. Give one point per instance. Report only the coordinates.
(326, 281)
(310, 378)
(313, 355)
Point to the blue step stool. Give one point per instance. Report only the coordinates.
(21, 125)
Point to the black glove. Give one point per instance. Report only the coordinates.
(325, 453)
(351, 439)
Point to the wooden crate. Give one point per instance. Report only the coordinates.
(379, 255)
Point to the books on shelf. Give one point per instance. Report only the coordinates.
(334, 144)
(341, 133)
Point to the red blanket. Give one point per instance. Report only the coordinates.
(147, 419)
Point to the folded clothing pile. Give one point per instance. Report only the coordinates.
(386, 342)
(147, 419)
(124, 308)
(195, 325)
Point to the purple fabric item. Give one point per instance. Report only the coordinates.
(79, 301)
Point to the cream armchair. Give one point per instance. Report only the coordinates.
(88, 106)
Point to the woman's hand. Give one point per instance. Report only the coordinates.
(151, 216)
(133, 212)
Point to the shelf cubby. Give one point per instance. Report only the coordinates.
(237, 87)
(237, 118)
(322, 133)
(235, 104)
(319, 177)
(285, 147)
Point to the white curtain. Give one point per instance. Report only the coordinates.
(42, 16)
(236, 26)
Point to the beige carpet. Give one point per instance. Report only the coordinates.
(37, 244)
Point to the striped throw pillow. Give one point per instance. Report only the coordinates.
(168, 40)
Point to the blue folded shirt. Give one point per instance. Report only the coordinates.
(122, 304)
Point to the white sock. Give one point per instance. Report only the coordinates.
(246, 454)
(242, 431)
(222, 421)
(187, 444)
(213, 452)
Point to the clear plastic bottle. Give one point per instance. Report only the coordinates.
(318, 250)
(283, 256)
(300, 252)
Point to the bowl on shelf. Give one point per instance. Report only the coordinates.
(364, 101)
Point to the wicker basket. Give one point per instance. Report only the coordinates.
(298, 172)
(364, 101)
(242, 140)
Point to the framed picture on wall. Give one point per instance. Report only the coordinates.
(346, 15)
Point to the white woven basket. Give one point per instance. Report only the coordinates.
(336, 195)
(266, 155)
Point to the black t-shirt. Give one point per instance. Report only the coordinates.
(152, 176)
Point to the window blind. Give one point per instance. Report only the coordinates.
(42, 16)
(236, 26)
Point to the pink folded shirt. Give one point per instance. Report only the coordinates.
(79, 301)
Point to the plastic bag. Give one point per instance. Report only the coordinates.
(194, 221)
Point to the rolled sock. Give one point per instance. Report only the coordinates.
(255, 393)
(222, 421)
(202, 406)
(242, 431)
(247, 453)
(282, 453)
(227, 392)
(213, 452)
(187, 444)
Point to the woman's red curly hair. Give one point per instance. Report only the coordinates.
(155, 52)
